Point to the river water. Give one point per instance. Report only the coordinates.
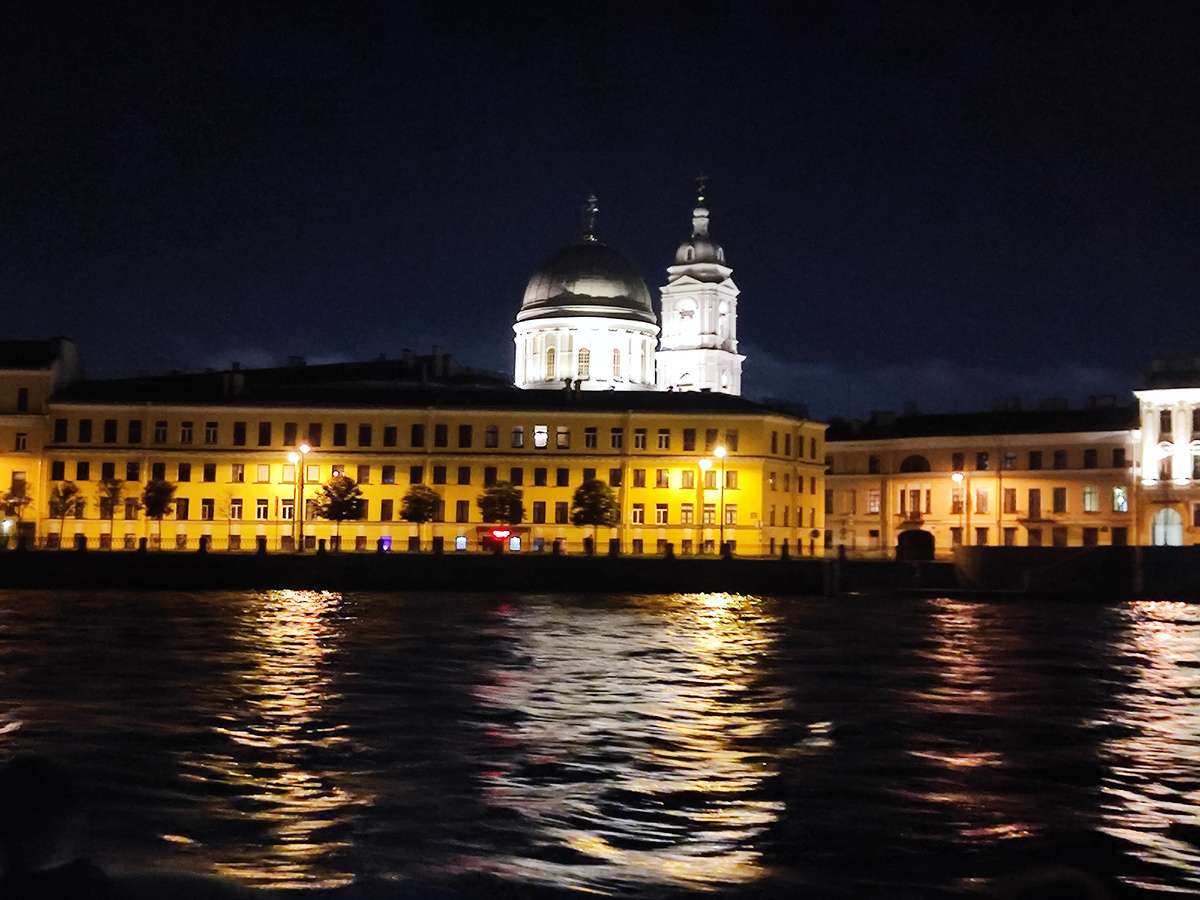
(632, 745)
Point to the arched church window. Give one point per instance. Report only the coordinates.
(616, 364)
(690, 254)
(550, 364)
(724, 381)
(914, 463)
(585, 363)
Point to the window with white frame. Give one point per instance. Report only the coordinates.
(1120, 499)
(638, 517)
(1091, 498)
(660, 514)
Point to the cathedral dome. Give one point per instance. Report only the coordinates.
(587, 279)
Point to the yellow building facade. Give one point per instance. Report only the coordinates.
(224, 439)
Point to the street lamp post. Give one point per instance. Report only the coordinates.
(719, 452)
(297, 458)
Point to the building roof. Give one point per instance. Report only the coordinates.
(413, 382)
(886, 426)
(587, 279)
(29, 354)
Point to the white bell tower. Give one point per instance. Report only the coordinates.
(698, 350)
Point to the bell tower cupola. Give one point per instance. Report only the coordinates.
(698, 349)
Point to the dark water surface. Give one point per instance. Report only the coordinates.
(635, 745)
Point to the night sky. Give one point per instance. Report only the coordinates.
(938, 203)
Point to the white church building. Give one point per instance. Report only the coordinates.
(587, 321)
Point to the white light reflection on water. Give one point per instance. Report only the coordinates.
(1154, 786)
(268, 780)
(630, 746)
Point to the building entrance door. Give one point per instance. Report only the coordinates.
(1166, 528)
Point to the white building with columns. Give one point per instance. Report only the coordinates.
(699, 317)
(586, 320)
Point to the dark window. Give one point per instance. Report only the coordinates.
(491, 437)
(1035, 460)
(239, 434)
(562, 477)
(1058, 536)
(489, 476)
(181, 508)
(1060, 459)
(364, 435)
(774, 442)
(958, 461)
(1091, 458)
(290, 430)
(1091, 537)
(560, 513)
(1060, 499)
(589, 474)
(787, 445)
(731, 440)
(464, 474)
(462, 511)
(339, 434)
(264, 434)
(387, 475)
(1120, 536)
(58, 470)
(639, 477)
(441, 435)
(108, 471)
(385, 510)
(614, 477)
(85, 431)
(516, 476)
(60, 430)
(185, 472)
(314, 434)
(135, 431)
(439, 474)
(981, 462)
(539, 477)
(872, 465)
(82, 471)
(417, 436)
(210, 472)
(464, 435)
(1118, 457)
(416, 474)
(689, 439)
(389, 436)
(133, 471)
(110, 431)
(22, 399)
(158, 470)
(539, 512)
(710, 439)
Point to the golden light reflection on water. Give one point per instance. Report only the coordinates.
(1154, 785)
(632, 745)
(273, 715)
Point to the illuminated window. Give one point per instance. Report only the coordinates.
(731, 479)
(335, 471)
(873, 500)
(1120, 500)
(541, 436)
(638, 516)
(1091, 498)
(585, 363)
(956, 501)
(710, 480)
(981, 500)
(550, 373)
(287, 473)
(662, 478)
(616, 364)
(689, 479)
(709, 514)
(730, 513)
(687, 513)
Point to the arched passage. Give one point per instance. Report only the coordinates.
(1166, 528)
